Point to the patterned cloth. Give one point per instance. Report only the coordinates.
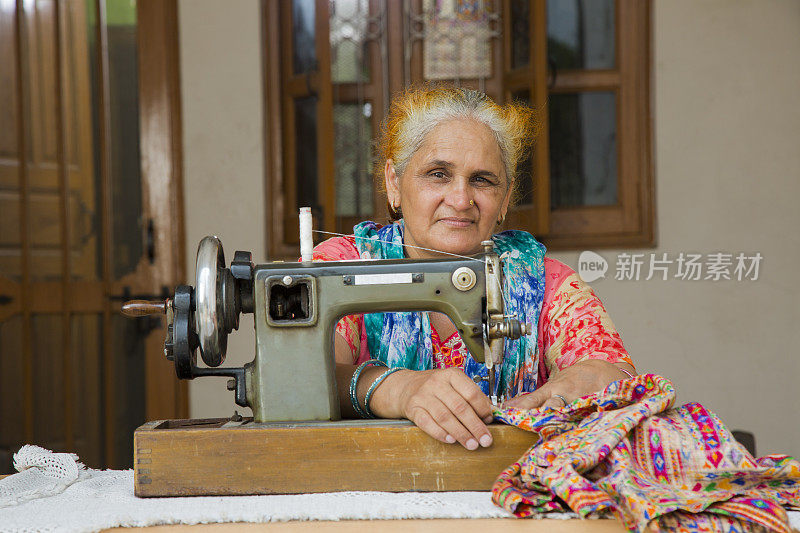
(627, 451)
(573, 324)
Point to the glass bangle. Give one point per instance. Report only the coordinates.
(374, 386)
(354, 385)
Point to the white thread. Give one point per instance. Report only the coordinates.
(502, 293)
(404, 244)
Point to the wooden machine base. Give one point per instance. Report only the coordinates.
(222, 457)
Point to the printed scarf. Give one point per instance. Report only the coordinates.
(403, 339)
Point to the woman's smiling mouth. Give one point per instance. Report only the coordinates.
(457, 222)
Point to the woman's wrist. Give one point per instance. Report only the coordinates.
(357, 400)
(626, 369)
(384, 402)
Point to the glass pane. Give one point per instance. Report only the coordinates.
(520, 33)
(583, 149)
(12, 393)
(352, 135)
(126, 182)
(87, 388)
(123, 134)
(457, 39)
(580, 34)
(348, 26)
(305, 54)
(305, 119)
(48, 381)
(129, 390)
(525, 184)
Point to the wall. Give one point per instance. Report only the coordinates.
(223, 154)
(726, 130)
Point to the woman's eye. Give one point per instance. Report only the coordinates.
(438, 174)
(483, 180)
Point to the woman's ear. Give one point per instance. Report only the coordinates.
(392, 182)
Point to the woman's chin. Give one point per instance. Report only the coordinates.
(459, 244)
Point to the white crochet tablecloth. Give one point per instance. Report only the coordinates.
(54, 492)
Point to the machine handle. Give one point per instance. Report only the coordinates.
(144, 307)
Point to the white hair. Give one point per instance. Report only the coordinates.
(459, 104)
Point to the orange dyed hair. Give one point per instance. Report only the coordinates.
(418, 109)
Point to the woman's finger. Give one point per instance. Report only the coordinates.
(423, 420)
(467, 417)
(444, 417)
(555, 402)
(473, 395)
(530, 400)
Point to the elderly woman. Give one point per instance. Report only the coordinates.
(449, 158)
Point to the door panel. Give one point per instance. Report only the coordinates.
(128, 345)
(12, 415)
(87, 343)
(48, 383)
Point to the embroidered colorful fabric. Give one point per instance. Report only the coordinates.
(573, 324)
(627, 451)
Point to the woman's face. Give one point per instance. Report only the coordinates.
(453, 189)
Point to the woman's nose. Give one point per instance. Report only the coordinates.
(459, 196)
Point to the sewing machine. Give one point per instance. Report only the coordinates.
(290, 385)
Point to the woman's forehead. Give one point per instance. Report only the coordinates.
(460, 140)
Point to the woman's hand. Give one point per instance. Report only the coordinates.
(445, 404)
(582, 378)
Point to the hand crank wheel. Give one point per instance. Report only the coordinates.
(208, 314)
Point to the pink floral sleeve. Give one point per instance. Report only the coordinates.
(350, 327)
(574, 324)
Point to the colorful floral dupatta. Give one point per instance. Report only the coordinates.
(404, 339)
(625, 450)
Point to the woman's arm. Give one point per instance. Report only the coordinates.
(579, 379)
(581, 348)
(445, 404)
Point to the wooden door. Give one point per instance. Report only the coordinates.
(81, 189)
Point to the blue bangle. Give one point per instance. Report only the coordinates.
(354, 385)
(374, 386)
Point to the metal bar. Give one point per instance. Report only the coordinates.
(105, 216)
(63, 189)
(24, 187)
